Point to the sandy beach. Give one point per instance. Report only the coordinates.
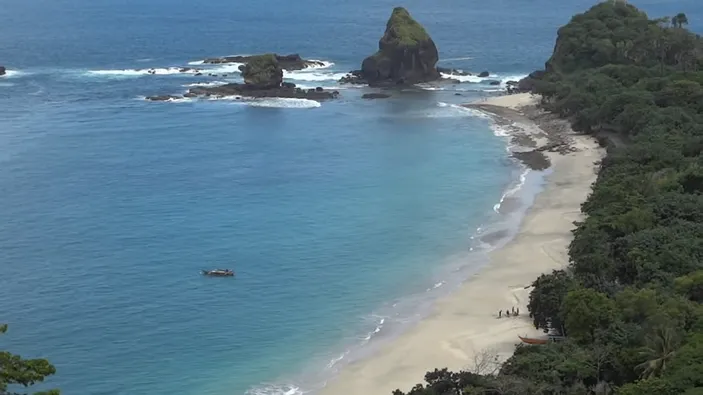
(464, 326)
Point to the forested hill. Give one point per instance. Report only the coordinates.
(630, 301)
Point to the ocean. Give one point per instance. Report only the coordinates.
(344, 220)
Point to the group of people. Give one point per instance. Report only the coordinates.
(512, 312)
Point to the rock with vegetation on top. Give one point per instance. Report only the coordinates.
(262, 72)
(406, 54)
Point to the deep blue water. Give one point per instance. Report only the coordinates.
(338, 219)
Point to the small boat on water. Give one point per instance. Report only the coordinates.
(218, 273)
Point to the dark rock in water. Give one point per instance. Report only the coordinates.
(288, 85)
(353, 77)
(458, 94)
(163, 97)
(494, 83)
(189, 94)
(287, 62)
(445, 70)
(3, 70)
(406, 54)
(527, 84)
(511, 83)
(484, 74)
(184, 69)
(375, 96)
(246, 90)
(198, 74)
(319, 89)
(262, 72)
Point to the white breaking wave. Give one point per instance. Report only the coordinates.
(465, 78)
(140, 72)
(12, 74)
(206, 84)
(284, 103)
(302, 75)
(275, 389)
(512, 191)
(455, 110)
(219, 70)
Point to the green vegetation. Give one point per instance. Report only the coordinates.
(629, 303)
(404, 31)
(262, 71)
(15, 371)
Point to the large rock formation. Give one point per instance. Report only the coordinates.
(262, 72)
(406, 54)
(287, 62)
(263, 77)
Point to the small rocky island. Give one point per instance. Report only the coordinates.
(406, 55)
(263, 77)
(290, 62)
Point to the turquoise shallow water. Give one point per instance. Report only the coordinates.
(343, 221)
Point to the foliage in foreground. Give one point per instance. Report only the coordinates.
(16, 371)
(629, 303)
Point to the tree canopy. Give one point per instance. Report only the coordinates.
(629, 303)
(18, 372)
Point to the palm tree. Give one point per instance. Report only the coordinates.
(679, 20)
(659, 350)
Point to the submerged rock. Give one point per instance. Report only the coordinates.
(406, 54)
(375, 96)
(287, 62)
(449, 71)
(164, 97)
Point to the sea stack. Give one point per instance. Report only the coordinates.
(262, 72)
(406, 54)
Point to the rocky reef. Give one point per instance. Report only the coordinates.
(406, 55)
(263, 77)
(287, 62)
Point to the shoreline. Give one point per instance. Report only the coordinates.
(464, 326)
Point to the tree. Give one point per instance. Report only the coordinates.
(14, 370)
(679, 20)
(660, 349)
(546, 298)
(584, 311)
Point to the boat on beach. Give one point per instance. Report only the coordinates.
(218, 273)
(530, 340)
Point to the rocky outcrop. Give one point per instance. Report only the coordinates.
(263, 77)
(287, 62)
(286, 90)
(406, 54)
(527, 84)
(262, 72)
(3, 70)
(449, 71)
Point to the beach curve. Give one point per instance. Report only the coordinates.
(465, 326)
